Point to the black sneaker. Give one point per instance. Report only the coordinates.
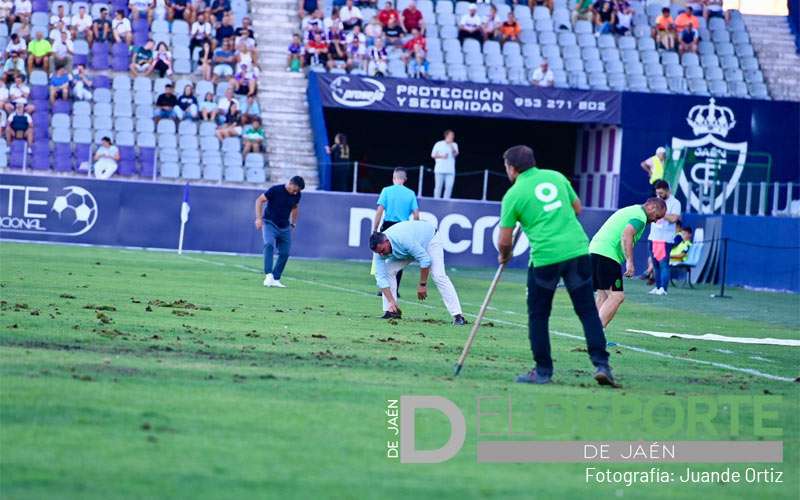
(604, 377)
(391, 315)
(458, 320)
(534, 378)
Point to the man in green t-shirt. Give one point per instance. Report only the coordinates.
(39, 51)
(612, 245)
(546, 206)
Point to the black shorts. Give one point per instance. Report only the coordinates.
(387, 224)
(606, 273)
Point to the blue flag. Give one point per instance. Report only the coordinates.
(185, 208)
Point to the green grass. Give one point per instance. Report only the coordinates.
(264, 393)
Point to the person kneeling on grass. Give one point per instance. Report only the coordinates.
(402, 244)
(612, 244)
(276, 222)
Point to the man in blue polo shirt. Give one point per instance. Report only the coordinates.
(276, 221)
(395, 204)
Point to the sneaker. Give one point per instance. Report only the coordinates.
(458, 320)
(655, 291)
(391, 315)
(603, 376)
(278, 284)
(661, 291)
(269, 280)
(533, 378)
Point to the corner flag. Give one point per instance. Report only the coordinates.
(185, 209)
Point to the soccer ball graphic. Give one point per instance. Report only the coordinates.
(78, 207)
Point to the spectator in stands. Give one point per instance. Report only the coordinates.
(541, 3)
(224, 104)
(378, 59)
(510, 30)
(393, 33)
(162, 62)
(81, 25)
(39, 52)
(688, 40)
(224, 60)
(316, 51)
(3, 117)
(334, 20)
(167, 104)
(696, 6)
(419, 67)
(22, 11)
(337, 47)
(387, 13)
(350, 16)
(225, 30)
(81, 83)
(583, 11)
(713, 8)
(60, 16)
(208, 108)
(543, 76)
(491, 26)
(470, 25)
(415, 43)
(604, 16)
(680, 251)
(444, 153)
(357, 50)
(63, 51)
(251, 109)
(55, 33)
(204, 60)
(686, 19)
(232, 127)
(219, 8)
(624, 19)
(187, 103)
(142, 60)
(662, 236)
(6, 9)
(109, 154)
(373, 31)
(201, 32)
(180, 9)
(246, 56)
(20, 125)
(19, 93)
(3, 98)
(14, 65)
(245, 80)
(313, 23)
(412, 19)
(306, 7)
(102, 28)
(142, 7)
(121, 28)
(340, 163)
(17, 44)
(60, 84)
(654, 166)
(296, 53)
(664, 30)
(244, 35)
(253, 137)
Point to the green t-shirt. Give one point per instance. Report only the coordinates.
(541, 201)
(608, 240)
(40, 48)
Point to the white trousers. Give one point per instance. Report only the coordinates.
(437, 275)
(443, 185)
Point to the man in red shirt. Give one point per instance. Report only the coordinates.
(386, 13)
(416, 41)
(317, 51)
(412, 18)
(686, 18)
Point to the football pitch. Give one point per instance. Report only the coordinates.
(143, 374)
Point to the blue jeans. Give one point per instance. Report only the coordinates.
(276, 237)
(661, 269)
(542, 283)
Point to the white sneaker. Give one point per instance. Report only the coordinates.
(278, 284)
(654, 291)
(661, 291)
(269, 280)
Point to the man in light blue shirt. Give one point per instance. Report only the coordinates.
(407, 242)
(395, 204)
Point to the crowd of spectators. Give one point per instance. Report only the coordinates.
(349, 42)
(225, 53)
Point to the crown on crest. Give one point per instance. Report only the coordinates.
(711, 119)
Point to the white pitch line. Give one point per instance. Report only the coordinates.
(720, 338)
(724, 366)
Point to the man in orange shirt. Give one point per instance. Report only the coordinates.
(684, 19)
(664, 30)
(510, 29)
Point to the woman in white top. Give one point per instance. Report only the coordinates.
(445, 153)
(121, 27)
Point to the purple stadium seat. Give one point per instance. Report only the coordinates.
(120, 63)
(39, 92)
(17, 153)
(101, 82)
(42, 105)
(80, 59)
(41, 133)
(62, 106)
(126, 168)
(119, 49)
(40, 6)
(40, 162)
(140, 37)
(100, 62)
(63, 154)
(82, 153)
(146, 157)
(141, 25)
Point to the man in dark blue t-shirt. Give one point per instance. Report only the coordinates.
(276, 221)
